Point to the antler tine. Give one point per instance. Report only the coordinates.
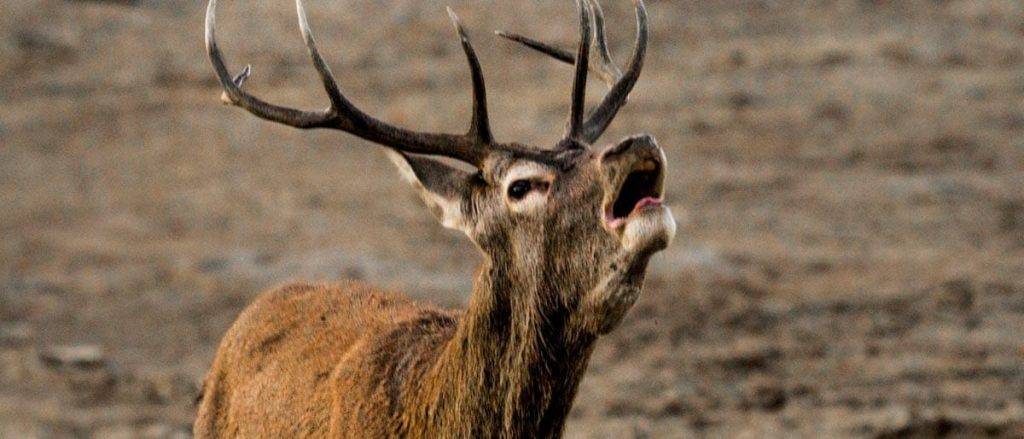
(606, 67)
(603, 66)
(480, 126)
(234, 95)
(579, 83)
(472, 148)
(338, 100)
(603, 115)
(555, 52)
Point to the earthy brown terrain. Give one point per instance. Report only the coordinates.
(848, 175)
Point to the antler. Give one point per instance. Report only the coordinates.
(472, 147)
(620, 84)
(579, 83)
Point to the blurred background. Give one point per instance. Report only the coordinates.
(847, 175)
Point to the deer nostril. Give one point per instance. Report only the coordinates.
(618, 149)
(644, 142)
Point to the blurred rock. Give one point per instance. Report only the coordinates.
(40, 42)
(834, 111)
(943, 426)
(78, 357)
(673, 406)
(740, 100)
(766, 397)
(701, 127)
(834, 58)
(958, 59)
(748, 357)
(898, 53)
(738, 58)
(957, 294)
(211, 265)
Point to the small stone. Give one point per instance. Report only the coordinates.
(769, 398)
(741, 100)
(834, 58)
(212, 265)
(957, 294)
(77, 356)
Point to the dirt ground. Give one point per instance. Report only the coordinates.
(848, 174)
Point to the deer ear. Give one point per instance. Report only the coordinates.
(443, 188)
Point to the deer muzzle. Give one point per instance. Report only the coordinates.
(634, 207)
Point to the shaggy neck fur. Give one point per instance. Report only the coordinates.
(515, 361)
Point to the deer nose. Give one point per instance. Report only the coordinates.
(638, 148)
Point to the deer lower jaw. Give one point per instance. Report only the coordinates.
(645, 204)
(650, 227)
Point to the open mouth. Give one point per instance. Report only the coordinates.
(641, 190)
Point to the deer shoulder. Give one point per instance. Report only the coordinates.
(308, 346)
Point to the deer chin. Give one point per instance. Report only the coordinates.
(650, 228)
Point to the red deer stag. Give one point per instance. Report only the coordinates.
(566, 234)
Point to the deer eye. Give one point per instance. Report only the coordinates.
(519, 188)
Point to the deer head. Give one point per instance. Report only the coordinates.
(576, 218)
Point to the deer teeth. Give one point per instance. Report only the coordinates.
(646, 165)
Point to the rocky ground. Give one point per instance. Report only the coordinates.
(850, 261)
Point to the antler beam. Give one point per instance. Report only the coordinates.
(480, 127)
(472, 147)
(579, 83)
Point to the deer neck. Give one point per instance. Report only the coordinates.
(515, 361)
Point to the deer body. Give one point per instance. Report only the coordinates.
(350, 361)
(566, 235)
